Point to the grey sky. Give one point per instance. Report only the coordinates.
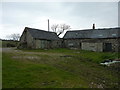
(79, 15)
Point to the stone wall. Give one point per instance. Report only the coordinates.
(46, 44)
(26, 40)
(92, 44)
(56, 44)
(30, 43)
(43, 44)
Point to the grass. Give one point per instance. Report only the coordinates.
(90, 56)
(0, 43)
(58, 68)
(0, 66)
(26, 74)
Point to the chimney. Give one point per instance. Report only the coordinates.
(48, 26)
(93, 26)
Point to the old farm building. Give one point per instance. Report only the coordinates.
(100, 40)
(93, 39)
(35, 38)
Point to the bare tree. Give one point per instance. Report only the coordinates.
(14, 37)
(54, 27)
(59, 29)
(63, 27)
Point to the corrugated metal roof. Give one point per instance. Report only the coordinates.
(41, 34)
(93, 33)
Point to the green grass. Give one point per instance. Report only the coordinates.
(53, 69)
(0, 68)
(90, 56)
(0, 43)
(26, 74)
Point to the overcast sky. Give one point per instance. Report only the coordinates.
(79, 15)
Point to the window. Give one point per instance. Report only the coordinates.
(70, 44)
(100, 35)
(113, 34)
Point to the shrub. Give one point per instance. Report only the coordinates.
(10, 45)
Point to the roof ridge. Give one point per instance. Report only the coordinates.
(38, 30)
(95, 29)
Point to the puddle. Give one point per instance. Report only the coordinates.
(109, 62)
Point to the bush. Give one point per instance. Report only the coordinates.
(10, 45)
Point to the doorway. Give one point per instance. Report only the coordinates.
(108, 47)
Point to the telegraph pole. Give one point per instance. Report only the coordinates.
(93, 26)
(48, 26)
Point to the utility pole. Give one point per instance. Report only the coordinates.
(48, 26)
(93, 26)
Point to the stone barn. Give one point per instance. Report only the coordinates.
(39, 39)
(100, 40)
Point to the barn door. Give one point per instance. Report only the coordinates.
(108, 47)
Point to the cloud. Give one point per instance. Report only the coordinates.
(9, 29)
(60, 0)
(38, 22)
(79, 15)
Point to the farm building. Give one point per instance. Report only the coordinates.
(35, 38)
(100, 40)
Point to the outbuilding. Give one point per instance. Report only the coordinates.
(107, 39)
(39, 39)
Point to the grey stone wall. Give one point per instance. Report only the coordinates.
(92, 46)
(42, 44)
(26, 40)
(22, 38)
(56, 44)
(46, 44)
(72, 43)
(98, 44)
(30, 43)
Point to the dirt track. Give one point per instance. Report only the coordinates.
(13, 50)
(8, 49)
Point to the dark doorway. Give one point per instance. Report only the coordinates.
(80, 45)
(108, 47)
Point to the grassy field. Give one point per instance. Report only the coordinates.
(58, 68)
